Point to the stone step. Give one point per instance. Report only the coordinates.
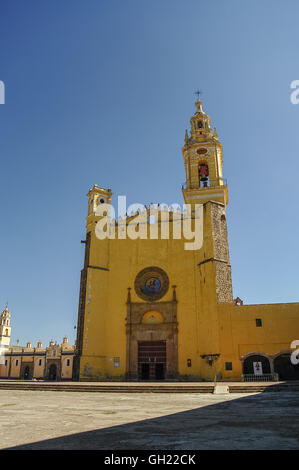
(147, 388)
(108, 389)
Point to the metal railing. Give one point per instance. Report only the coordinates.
(260, 378)
(207, 184)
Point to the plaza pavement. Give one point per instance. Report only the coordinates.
(32, 419)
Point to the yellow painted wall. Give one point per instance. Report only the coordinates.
(66, 371)
(239, 335)
(204, 326)
(4, 369)
(15, 369)
(106, 295)
(38, 371)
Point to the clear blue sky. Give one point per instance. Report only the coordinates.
(101, 91)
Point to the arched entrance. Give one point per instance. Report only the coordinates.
(52, 372)
(285, 369)
(152, 341)
(151, 360)
(248, 367)
(26, 373)
(152, 328)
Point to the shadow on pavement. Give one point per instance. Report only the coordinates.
(258, 421)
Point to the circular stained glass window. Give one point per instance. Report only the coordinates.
(151, 283)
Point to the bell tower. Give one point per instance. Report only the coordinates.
(205, 185)
(97, 196)
(5, 328)
(203, 161)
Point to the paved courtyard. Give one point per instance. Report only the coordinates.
(74, 420)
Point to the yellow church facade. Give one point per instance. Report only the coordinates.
(155, 305)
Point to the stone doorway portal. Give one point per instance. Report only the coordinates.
(53, 372)
(152, 340)
(151, 360)
(26, 372)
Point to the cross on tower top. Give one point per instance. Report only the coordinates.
(197, 93)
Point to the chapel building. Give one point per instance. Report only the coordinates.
(53, 362)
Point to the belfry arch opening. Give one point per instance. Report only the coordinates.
(203, 175)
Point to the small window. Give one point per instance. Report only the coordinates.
(17, 362)
(5, 362)
(68, 362)
(40, 362)
(258, 322)
(189, 363)
(228, 366)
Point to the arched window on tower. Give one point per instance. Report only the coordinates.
(203, 173)
(200, 125)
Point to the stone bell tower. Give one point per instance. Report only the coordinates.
(5, 328)
(205, 185)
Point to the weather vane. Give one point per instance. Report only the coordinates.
(197, 93)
